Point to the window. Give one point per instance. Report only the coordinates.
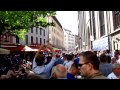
(26, 38)
(40, 40)
(114, 44)
(44, 41)
(102, 24)
(31, 29)
(40, 31)
(44, 32)
(116, 19)
(36, 40)
(17, 40)
(52, 29)
(31, 39)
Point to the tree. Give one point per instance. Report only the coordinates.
(17, 23)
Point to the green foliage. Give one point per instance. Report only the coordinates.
(17, 23)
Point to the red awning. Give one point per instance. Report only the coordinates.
(26, 48)
(20, 48)
(37, 47)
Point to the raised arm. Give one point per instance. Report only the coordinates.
(53, 60)
(34, 63)
(41, 47)
(51, 48)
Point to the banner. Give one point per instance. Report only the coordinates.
(101, 44)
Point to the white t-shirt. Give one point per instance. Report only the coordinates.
(112, 76)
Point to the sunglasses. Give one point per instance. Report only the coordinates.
(80, 65)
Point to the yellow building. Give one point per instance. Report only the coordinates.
(56, 33)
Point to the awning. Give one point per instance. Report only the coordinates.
(4, 51)
(56, 49)
(20, 48)
(26, 48)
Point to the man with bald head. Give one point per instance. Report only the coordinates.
(59, 72)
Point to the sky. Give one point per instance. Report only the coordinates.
(68, 20)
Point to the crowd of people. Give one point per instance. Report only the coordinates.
(83, 65)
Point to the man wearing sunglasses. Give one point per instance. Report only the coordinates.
(89, 66)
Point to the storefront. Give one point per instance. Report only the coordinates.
(115, 40)
(100, 44)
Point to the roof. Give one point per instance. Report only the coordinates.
(67, 30)
(57, 21)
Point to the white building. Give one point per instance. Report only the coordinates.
(69, 40)
(81, 29)
(99, 30)
(35, 35)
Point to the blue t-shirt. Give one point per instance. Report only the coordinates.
(70, 76)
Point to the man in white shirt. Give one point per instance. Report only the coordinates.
(38, 63)
(115, 72)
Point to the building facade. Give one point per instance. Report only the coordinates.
(56, 33)
(115, 31)
(81, 29)
(69, 40)
(102, 30)
(35, 35)
(76, 42)
(40, 35)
